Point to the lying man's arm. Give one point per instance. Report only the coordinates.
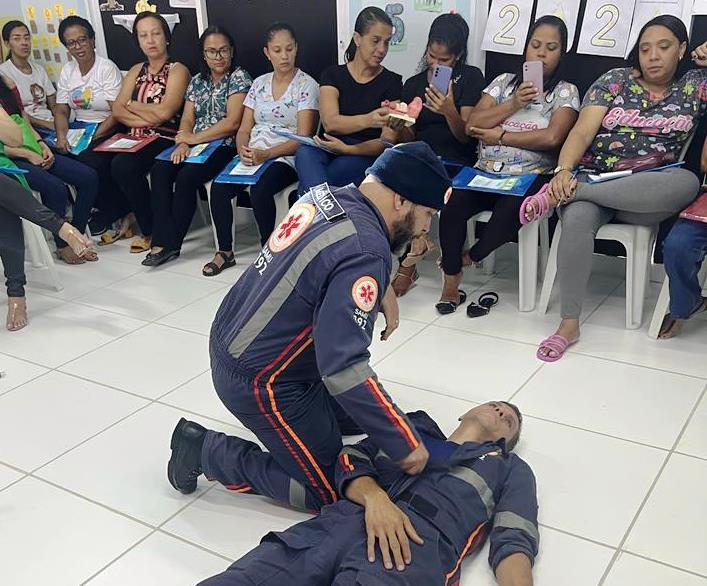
(515, 570)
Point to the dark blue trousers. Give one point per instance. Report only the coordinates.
(316, 166)
(683, 253)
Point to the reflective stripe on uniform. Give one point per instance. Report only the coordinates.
(475, 480)
(283, 289)
(298, 496)
(351, 451)
(348, 378)
(511, 520)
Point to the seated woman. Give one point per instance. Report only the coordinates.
(355, 124)
(49, 174)
(88, 85)
(212, 111)
(286, 99)
(634, 118)
(17, 202)
(149, 103)
(519, 133)
(37, 93)
(441, 124)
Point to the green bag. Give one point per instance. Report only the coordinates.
(28, 139)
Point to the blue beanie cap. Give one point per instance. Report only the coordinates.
(414, 172)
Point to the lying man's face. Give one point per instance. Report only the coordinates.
(498, 419)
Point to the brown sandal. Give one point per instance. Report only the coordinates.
(16, 314)
(214, 269)
(407, 271)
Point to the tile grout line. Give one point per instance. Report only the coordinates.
(622, 543)
(667, 565)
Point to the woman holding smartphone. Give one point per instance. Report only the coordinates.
(355, 125)
(449, 99)
(520, 131)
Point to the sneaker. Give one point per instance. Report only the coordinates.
(185, 464)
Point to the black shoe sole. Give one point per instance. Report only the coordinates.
(170, 465)
(160, 260)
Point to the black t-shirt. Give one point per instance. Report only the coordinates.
(432, 128)
(361, 98)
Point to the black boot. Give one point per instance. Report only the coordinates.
(185, 464)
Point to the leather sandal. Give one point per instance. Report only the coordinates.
(484, 305)
(228, 261)
(405, 277)
(448, 307)
(139, 245)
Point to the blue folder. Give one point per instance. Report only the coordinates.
(226, 177)
(516, 185)
(49, 136)
(13, 171)
(202, 157)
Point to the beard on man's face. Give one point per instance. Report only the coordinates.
(403, 231)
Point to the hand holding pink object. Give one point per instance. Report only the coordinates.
(405, 113)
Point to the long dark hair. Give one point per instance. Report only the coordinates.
(557, 76)
(364, 21)
(215, 30)
(7, 31)
(675, 26)
(8, 98)
(452, 31)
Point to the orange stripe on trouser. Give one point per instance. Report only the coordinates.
(393, 415)
(238, 487)
(278, 430)
(290, 431)
(467, 547)
(347, 463)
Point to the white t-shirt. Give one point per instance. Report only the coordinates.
(301, 94)
(88, 95)
(34, 88)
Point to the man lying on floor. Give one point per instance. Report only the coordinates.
(423, 525)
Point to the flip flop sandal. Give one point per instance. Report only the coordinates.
(539, 204)
(140, 245)
(557, 344)
(447, 307)
(112, 236)
(674, 326)
(483, 307)
(228, 262)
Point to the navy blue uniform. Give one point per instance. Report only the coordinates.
(289, 345)
(478, 491)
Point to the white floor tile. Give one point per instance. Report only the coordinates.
(198, 316)
(443, 409)
(52, 537)
(629, 569)
(128, 470)
(199, 396)
(562, 560)
(209, 521)
(8, 476)
(624, 401)
(152, 295)
(580, 479)
(161, 559)
(53, 413)
(604, 336)
(380, 349)
(671, 527)
(16, 372)
(38, 301)
(468, 366)
(159, 359)
(694, 441)
(64, 333)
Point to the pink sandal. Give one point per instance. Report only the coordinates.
(540, 204)
(557, 344)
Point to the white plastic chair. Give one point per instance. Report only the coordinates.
(39, 253)
(528, 237)
(638, 242)
(661, 306)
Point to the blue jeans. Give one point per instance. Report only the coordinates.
(316, 166)
(683, 252)
(51, 185)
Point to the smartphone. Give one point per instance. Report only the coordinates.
(533, 72)
(441, 75)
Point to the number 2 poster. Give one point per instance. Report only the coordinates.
(606, 27)
(507, 26)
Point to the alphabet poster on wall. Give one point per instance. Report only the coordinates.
(411, 25)
(507, 26)
(567, 10)
(606, 27)
(646, 10)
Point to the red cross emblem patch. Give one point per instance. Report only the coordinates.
(292, 227)
(365, 293)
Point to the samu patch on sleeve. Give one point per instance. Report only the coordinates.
(292, 226)
(365, 293)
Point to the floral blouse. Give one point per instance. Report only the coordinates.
(210, 99)
(640, 131)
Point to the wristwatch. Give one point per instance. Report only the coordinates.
(561, 168)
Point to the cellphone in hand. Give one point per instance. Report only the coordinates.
(533, 72)
(441, 75)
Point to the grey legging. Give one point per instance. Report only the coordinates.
(645, 199)
(16, 202)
